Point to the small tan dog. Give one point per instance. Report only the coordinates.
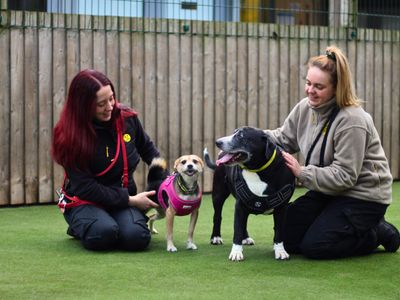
(177, 195)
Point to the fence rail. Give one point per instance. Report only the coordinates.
(189, 86)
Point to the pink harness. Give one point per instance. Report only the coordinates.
(182, 207)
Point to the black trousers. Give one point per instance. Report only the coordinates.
(98, 229)
(325, 227)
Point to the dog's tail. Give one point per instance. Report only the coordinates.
(157, 173)
(211, 164)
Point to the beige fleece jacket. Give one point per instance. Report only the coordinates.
(355, 164)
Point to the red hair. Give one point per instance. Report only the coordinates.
(74, 136)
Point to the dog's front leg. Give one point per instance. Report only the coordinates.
(170, 214)
(279, 222)
(193, 220)
(239, 227)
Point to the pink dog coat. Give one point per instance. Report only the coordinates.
(182, 207)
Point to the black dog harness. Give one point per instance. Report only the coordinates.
(259, 204)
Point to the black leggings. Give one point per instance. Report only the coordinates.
(98, 229)
(324, 227)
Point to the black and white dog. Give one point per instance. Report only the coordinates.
(252, 169)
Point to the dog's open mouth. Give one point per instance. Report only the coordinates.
(231, 158)
(190, 172)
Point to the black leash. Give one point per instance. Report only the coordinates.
(325, 128)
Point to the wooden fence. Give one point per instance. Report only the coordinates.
(191, 82)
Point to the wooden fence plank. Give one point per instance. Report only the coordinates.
(163, 115)
(283, 74)
(185, 89)
(293, 73)
(174, 99)
(17, 114)
(99, 46)
(197, 96)
(149, 116)
(395, 109)
(263, 82)
(72, 52)
(209, 103)
(125, 55)
(273, 104)
(220, 86)
(378, 82)
(360, 72)
(31, 111)
(369, 72)
(252, 86)
(231, 83)
(386, 100)
(112, 54)
(59, 93)
(242, 81)
(5, 100)
(46, 180)
(137, 97)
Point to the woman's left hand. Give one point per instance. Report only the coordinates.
(292, 163)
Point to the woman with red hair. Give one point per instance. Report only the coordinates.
(99, 143)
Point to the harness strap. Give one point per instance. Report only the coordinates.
(261, 204)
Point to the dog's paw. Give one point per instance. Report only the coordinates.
(236, 253)
(171, 248)
(248, 241)
(280, 252)
(153, 231)
(190, 245)
(216, 240)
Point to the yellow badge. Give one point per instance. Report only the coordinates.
(127, 137)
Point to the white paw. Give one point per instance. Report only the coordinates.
(248, 241)
(236, 253)
(190, 245)
(280, 252)
(171, 248)
(153, 231)
(216, 240)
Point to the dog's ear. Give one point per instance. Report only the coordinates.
(177, 161)
(199, 160)
(269, 145)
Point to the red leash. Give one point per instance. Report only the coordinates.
(76, 201)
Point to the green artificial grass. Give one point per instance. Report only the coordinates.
(39, 261)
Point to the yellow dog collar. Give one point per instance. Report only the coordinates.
(268, 163)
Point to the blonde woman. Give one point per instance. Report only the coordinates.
(346, 171)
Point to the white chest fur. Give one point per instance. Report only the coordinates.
(255, 184)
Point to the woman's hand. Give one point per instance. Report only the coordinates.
(292, 163)
(142, 201)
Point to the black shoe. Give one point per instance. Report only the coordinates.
(388, 236)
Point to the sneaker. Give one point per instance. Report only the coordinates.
(388, 236)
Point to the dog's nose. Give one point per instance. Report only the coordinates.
(218, 143)
(190, 166)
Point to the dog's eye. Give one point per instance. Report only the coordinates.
(183, 162)
(195, 161)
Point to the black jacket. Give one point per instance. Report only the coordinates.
(107, 189)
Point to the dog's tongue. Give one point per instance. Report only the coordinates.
(225, 158)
